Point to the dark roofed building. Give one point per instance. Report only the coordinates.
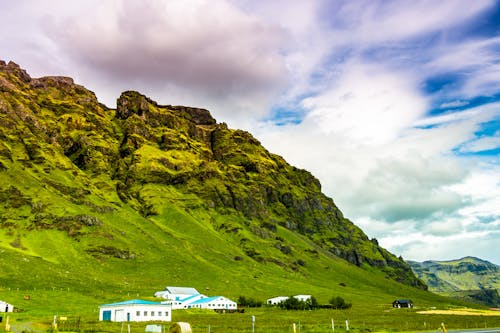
(402, 303)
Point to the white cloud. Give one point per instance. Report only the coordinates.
(420, 246)
(482, 144)
(207, 48)
(366, 104)
(454, 104)
(375, 22)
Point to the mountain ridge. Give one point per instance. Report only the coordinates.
(99, 182)
(468, 278)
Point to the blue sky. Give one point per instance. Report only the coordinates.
(393, 105)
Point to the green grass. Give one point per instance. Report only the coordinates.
(361, 318)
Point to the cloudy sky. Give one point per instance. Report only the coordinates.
(393, 105)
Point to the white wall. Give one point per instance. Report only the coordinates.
(138, 312)
(6, 307)
(276, 300)
(220, 303)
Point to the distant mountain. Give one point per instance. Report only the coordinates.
(468, 278)
(142, 195)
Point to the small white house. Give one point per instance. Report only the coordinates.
(214, 303)
(303, 298)
(135, 310)
(6, 307)
(278, 299)
(177, 293)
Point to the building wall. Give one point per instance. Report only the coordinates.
(303, 298)
(276, 300)
(136, 312)
(6, 307)
(219, 305)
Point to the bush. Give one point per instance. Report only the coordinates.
(293, 303)
(249, 302)
(339, 303)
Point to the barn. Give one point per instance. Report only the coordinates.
(402, 303)
(6, 307)
(135, 310)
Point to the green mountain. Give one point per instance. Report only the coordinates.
(109, 202)
(469, 278)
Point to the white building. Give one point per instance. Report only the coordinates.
(135, 310)
(303, 298)
(6, 307)
(278, 299)
(214, 303)
(184, 303)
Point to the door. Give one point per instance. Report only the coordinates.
(119, 315)
(106, 315)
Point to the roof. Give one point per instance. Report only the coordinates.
(210, 299)
(403, 301)
(182, 290)
(133, 302)
(192, 296)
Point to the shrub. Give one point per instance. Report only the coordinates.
(339, 303)
(293, 303)
(249, 302)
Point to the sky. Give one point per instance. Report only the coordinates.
(393, 105)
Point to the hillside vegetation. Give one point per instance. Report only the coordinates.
(101, 205)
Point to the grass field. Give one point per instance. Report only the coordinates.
(82, 314)
(381, 318)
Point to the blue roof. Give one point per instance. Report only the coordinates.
(188, 298)
(205, 300)
(133, 302)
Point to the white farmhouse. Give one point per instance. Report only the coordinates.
(214, 303)
(6, 307)
(135, 310)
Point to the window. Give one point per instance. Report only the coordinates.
(159, 313)
(166, 313)
(145, 313)
(138, 313)
(152, 313)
